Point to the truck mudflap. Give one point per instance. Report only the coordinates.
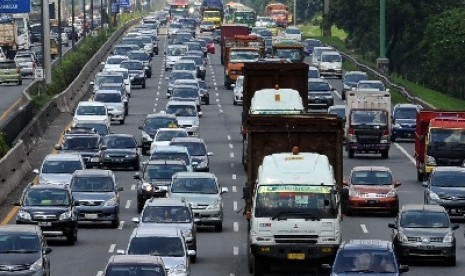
(295, 252)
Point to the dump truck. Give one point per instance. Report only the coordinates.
(368, 122)
(439, 141)
(212, 10)
(237, 51)
(279, 13)
(292, 199)
(229, 31)
(8, 37)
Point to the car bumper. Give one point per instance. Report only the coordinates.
(53, 228)
(331, 72)
(403, 132)
(116, 116)
(322, 103)
(144, 195)
(206, 217)
(289, 251)
(138, 81)
(10, 78)
(101, 213)
(119, 161)
(25, 71)
(428, 251)
(373, 205)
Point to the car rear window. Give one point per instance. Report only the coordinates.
(8, 65)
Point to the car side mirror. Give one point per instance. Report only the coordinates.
(326, 267)
(120, 252)
(35, 171)
(424, 184)
(141, 127)
(209, 153)
(136, 176)
(191, 253)
(392, 225)
(58, 147)
(200, 113)
(135, 220)
(47, 250)
(397, 184)
(224, 190)
(403, 268)
(119, 189)
(455, 226)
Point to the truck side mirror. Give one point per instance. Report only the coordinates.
(245, 192)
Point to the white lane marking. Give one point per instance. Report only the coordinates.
(128, 204)
(404, 151)
(235, 205)
(236, 226)
(133, 187)
(231, 154)
(232, 274)
(154, 110)
(364, 228)
(217, 100)
(233, 176)
(216, 88)
(221, 110)
(217, 94)
(337, 94)
(158, 93)
(236, 250)
(159, 87)
(100, 273)
(121, 224)
(231, 146)
(112, 248)
(219, 105)
(229, 137)
(234, 189)
(214, 83)
(156, 99)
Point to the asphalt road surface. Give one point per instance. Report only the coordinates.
(224, 254)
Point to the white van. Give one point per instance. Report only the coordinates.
(330, 64)
(317, 51)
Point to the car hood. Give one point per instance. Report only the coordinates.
(55, 178)
(99, 118)
(452, 193)
(102, 196)
(381, 189)
(158, 225)
(200, 199)
(172, 262)
(370, 274)
(133, 72)
(425, 232)
(49, 210)
(18, 259)
(119, 152)
(406, 122)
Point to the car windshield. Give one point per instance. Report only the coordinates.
(157, 246)
(176, 51)
(101, 129)
(46, 197)
(182, 110)
(424, 219)
(92, 184)
(354, 78)
(19, 243)
(405, 113)
(293, 54)
(139, 56)
(292, 31)
(295, 201)
(162, 171)
(108, 79)
(194, 148)
(61, 166)
(364, 260)
(166, 214)
(331, 58)
(371, 177)
(115, 60)
(156, 123)
(171, 156)
(374, 117)
(194, 185)
(318, 86)
(91, 110)
(184, 66)
(243, 56)
(132, 65)
(135, 269)
(162, 136)
(371, 85)
(108, 97)
(119, 142)
(81, 143)
(185, 93)
(448, 179)
(23, 59)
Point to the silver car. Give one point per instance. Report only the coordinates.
(114, 102)
(187, 115)
(59, 168)
(203, 192)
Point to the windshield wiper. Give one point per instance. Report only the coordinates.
(284, 215)
(19, 251)
(359, 271)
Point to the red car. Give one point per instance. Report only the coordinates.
(371, 189)
(210, 44)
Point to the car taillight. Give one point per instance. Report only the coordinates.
(351, 131)
(18, 70)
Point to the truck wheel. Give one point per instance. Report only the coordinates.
(227, 83)
(259, 267)
(385, 154)
(351, 153)
(143, 84)
(420, 176)
(249, 258)
(121, 122)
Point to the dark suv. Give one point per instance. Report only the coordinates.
(84, 141)
(52, 208)
(155, 179)
(23, 251)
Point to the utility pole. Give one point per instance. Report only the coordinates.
(46, 42)
(91, 15)
(326, 25)
(73, 30)
(84, 16)
(382, 62)
(60, 41)
(295, 12)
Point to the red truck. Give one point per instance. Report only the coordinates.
(279, 13)
(229, 31)
(439, 141)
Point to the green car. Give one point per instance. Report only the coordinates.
(10, 72)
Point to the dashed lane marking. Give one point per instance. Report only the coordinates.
(236, 226)
(121, 225)
(404, 151)
(128, 204)
(231, 154)
(234, 189)
(112, 248)
(364, 228)
(236, 250)
(234, 176)
(234, 205)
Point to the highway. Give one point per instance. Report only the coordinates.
(222, 254)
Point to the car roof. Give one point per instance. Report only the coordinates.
(366, 244)
(160, 115)
(40, 186)
(371, 168)
(93, 172)
(63, 157)
(171, 148)
(355, 73)
(194, 175)
(188, 139)
(423, 207)
(136, 259)
(171, 129)
(158, 232)
(91, 103)
(167, 201)
(20, 229)
(171, 102)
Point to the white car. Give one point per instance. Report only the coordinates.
(173, 55)
(164, 136)
(113, 62)
(238, 90)
(330, 64)
(293, 33)
(91, 112)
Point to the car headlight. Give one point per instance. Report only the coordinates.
(449, 238)
(354, 193)
(397, 125)
(66, 215)
(195, 123)
(430, 160)
(402, 237)
(433, 196)
(24, 215)
(391, 193)
(187, 233)
(111, 202)
(215, 205)
(146, 137)
(95, 159)
(178, 269)
(37, 265)
(147, 187)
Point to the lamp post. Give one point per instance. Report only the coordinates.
(84, 17)
(295, 13)
(46, 42)
(91, 15)
(60, 44)
(382, 63)
(72, 23)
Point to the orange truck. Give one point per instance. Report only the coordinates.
(439, 141)
(238, 50)
(279, 13)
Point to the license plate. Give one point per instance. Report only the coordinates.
(296, 256)
(425, 247)
(91, 216)
(372, 201)
(45, 223)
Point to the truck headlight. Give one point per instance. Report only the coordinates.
(433, 196)
(352, 138)
(24, 215)
(430, 160)
(66, 215)
(384, 139)
(37, 265)
(110, 202)
(147, 187)
(449, 238)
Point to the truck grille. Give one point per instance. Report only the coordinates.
(368, 139)
(45, 217)
(296, 238)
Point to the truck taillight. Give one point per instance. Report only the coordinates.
(351, 131)
(386, 132)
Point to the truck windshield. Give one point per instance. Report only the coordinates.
(243, 56)
(293, 54)
(441, 136)
(369, 118)
(210, 14)
(295, 201)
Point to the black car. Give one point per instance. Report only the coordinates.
(97, 193)
(197, 149)
(446, 187)
(404, 121)
(424, 232)
(150, 126)
(52, 208)
(319, 93)
(136, 71)
(122, 50)
(155, 178)
(120, 150)
(204, 95)
(143, 57)
(350, 81)
(71, 35)
(83, 141)
(23, 248)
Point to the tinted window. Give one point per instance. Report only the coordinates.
(364, 259)
(61, 166)
(354, 78)
(194, 149)
(46, 197)
(92, 184)
(166, 214)
(371, 178)
(160, 171)
(194, 185)
(448, 179)
(101, 129)
(119, 142)
(405, 113)
(18, 243)
(424, 219)
(81, 143)
(185, 93)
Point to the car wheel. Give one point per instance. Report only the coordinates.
(20, 82)
(143, 84)
(140, 206)
(259, 266)
(385, 154)
(71, 238)
(451, 261)
(121, 122)
(207, 102)
(193, 259)
(351, 153)
(115, 222)
(219, 227)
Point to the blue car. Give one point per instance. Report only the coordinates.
(404, 121)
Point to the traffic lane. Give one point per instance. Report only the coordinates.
(11, 96)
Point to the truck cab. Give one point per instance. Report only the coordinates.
(235, 59)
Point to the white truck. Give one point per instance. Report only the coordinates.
(368, 122)
(276, 101)
(295, 215)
